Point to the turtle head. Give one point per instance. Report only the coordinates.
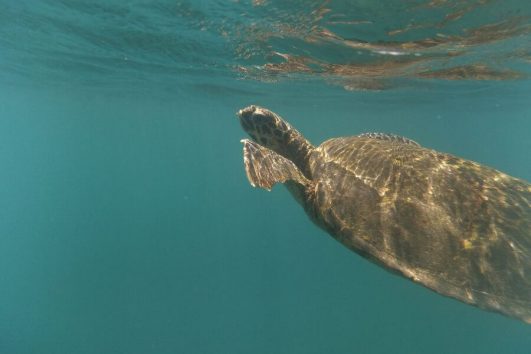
(265, 127)
(271, 131)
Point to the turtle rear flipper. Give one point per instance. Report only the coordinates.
(264, 167)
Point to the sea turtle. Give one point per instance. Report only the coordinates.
(452, 225)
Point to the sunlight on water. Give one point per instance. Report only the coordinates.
(357, 45)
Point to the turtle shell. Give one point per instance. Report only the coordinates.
(452, 225)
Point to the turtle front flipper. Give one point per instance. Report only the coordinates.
(264, 167)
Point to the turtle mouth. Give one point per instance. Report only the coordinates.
(255, 113)
(247, 112)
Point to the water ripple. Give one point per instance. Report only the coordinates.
(359, 45)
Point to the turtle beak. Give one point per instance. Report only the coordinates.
(247, 112)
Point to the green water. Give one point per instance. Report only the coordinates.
(127, 224)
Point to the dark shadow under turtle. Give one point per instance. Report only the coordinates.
(452, 225)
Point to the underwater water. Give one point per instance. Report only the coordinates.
(127, 223)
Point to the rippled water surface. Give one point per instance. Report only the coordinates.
(355, 44)
(127, 223)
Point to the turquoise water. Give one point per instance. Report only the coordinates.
(127, 223)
